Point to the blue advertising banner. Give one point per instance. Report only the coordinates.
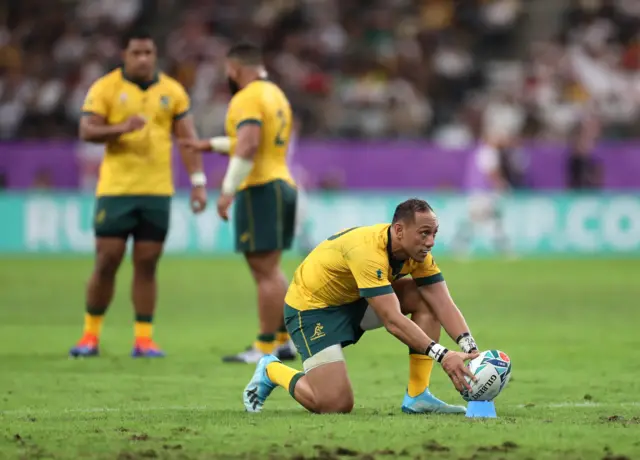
(536, 224)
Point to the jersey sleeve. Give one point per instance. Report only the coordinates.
(427, 272)
(96, 102)
(370, 272)
(183, 104)
(247, 109)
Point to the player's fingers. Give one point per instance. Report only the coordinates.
(456, 381)
(465, 382)
(468, 372)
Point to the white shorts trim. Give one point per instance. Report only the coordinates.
(332, 354)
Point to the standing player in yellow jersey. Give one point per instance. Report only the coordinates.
(134, 110)
(258, 128)
(353, 282)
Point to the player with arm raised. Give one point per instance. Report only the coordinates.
(134, 110)
(354, 282)
(258, 128)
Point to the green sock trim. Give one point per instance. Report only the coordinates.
(294, 382)
(144, 318)
(414, 352)
(283, 328)
(96, 311)
(266, 337)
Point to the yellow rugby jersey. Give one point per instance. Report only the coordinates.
(353, 264)
(137, 163)
(262, 102)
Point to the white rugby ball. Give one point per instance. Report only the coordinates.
(493, 371)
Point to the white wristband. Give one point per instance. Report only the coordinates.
(436, 351)
(237, 172)
(220, 144)
(198, 179)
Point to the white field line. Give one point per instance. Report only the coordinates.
(93, 410)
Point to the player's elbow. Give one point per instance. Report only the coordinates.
(85, 134)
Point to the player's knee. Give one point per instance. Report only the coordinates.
(339, 404)
(265, 267)
(146, 266)
(107, 265)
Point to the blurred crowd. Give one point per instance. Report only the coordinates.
(450, 70)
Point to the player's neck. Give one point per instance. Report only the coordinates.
(144, 81)
(256, 74)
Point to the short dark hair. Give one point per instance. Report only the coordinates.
(245, 52)
(406, 211)
(135, 34)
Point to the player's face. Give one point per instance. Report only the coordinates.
(232, 70)
(140, 59)
(420, 236)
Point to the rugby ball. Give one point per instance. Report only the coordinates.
(493, 371)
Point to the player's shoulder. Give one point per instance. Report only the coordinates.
(369, 240)
(108, 80)
(171, 84)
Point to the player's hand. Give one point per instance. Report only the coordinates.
(198, 199)
(134, 123)
(198, 145)
(224, 202)
(453, 364)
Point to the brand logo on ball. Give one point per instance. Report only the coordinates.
(483, 389)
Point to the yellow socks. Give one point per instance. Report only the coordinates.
(284, 376)
(143, 327)
(93, 323)
(282, 338)
(265, 343)
(420, 367)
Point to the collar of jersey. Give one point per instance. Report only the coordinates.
(396, 265)
(143, 85)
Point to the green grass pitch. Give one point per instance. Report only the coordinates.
(570, 327)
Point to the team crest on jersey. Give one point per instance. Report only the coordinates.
(164, 102)
(379, 274)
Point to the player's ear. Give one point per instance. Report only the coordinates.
(399, 230)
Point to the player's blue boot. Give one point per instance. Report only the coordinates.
(260, 386)
(426, 403)
(87, 346)
(146, 348)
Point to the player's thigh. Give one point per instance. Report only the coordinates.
(146, 255)
(114, 217)
(109, 254)
(313, 331)
(263, 264)
(264, 217)
(153, 214)
(409, 296)
(410, 302)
